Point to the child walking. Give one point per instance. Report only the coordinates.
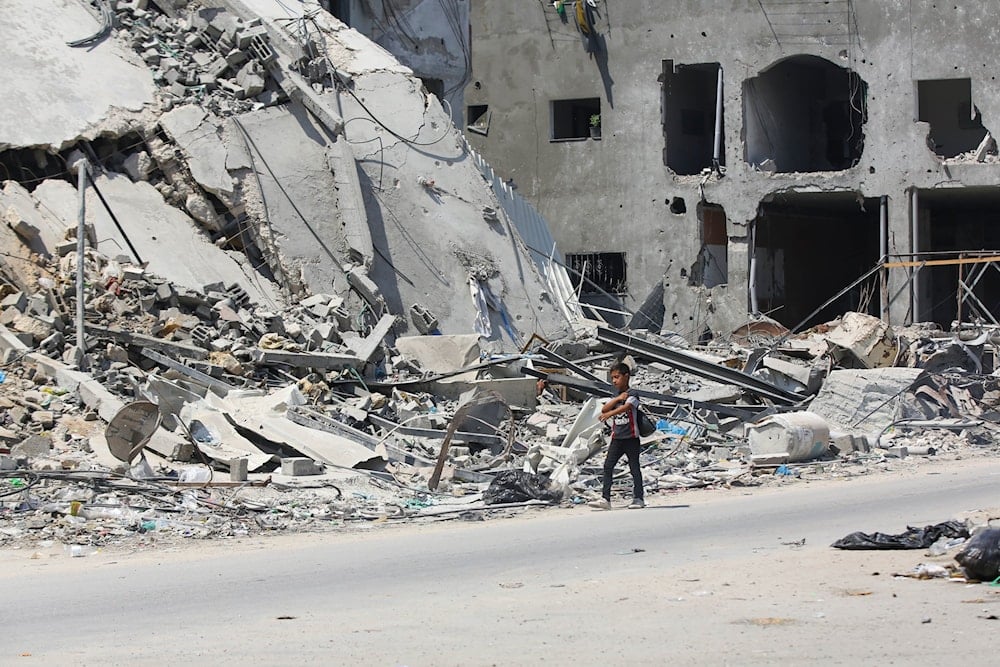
(622, 413)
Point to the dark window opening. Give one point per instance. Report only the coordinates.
(804, 114)
(956, 124)
(477, 118)
(433, 86)
(712, 267)
(808, 247)
(598, 271)
(950, 224)
(572, 119)
(689, 107)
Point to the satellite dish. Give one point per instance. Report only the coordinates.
(131, 428)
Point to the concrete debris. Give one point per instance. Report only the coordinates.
(254, 266)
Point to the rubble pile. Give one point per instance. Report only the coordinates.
(198, 341)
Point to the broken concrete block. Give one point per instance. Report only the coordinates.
(539, 422)
(239, 468)
(35, 446)
(869, 340)
(758, 460)
(46, 418)
(316, 360)
(423, 319)
(298, 466)
(116, 353)
(17, 300)
(249, 77)
(138, 166)
(33, 327)
(359, 280)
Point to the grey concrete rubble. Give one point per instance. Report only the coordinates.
(352, 329)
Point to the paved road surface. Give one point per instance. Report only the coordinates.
(714, 578)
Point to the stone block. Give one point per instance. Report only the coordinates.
(238, 469)
(299, 466)
(46, 418)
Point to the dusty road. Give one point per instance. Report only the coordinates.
(702, 578)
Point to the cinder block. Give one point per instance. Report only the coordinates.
(298, 466)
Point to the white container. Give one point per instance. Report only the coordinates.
(802, 435)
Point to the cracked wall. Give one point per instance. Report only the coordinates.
(615, 194)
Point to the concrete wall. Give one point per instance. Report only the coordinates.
(613, 194)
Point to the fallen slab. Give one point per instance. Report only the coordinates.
(863, 400)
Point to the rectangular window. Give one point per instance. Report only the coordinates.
(598, 271)
(573, 119)
(690, 96)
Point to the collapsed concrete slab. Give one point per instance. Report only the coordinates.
(166, 238)
(66, 92)
(194, 132)
(863, 400)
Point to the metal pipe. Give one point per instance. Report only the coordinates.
(883, 245)
(752, 281)
(81, 233)
(717, 152)
(914, 250)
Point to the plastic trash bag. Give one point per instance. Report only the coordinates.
(913, 538)
(516, 486)
(981, 556)
(646, 425)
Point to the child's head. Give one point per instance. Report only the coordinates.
(620, 373)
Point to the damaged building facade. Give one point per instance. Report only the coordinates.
(702, 161)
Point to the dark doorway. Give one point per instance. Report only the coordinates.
(804, 114)
(959, 223)
(808, 247)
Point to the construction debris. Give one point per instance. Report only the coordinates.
(237, 355)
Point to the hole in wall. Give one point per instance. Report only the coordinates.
(804, 114)
(678, 206)
(956, 124)
(712, 266)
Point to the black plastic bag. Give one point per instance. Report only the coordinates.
(980, 558)
(913, 538)
(516, 486)
(646, 425)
